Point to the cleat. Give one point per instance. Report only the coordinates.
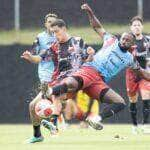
(95, 122)
(48, 125)
(35, 139)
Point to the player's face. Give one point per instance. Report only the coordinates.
(126, 41)
(60, 33)
(48, 23)
(136, 27)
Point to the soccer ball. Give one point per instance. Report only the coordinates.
(44, 108)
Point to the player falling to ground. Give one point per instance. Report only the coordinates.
(45, 67)
(92, 76)
(135, 83)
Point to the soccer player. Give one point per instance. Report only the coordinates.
(134, 83)
(72, 52)
(93, 76)
(40, 46)
(45, 68)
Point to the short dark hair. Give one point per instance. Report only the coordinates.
(59, 22)
(136, 18)
(134, 37)
(50, 15)
(130, 33)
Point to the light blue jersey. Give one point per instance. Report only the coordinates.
(46, 66)
(110, 60)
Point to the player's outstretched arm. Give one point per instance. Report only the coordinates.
(31, 58)
(95, 23)
(143, 73)
(90, 52)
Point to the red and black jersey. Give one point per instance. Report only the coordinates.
(71, 55)
(142, 50)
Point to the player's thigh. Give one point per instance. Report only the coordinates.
(96, 89)
(112, 97)
(57, 107)
(69, 109)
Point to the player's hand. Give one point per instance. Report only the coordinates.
(90, 50)
(55, 46)
(26, 55)
(86, 7)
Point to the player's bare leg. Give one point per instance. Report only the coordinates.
(37, 136)
(116, 104)
(36, 121)
(52, 125)
(34, 118)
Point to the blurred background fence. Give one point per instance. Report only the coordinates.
(32, 11)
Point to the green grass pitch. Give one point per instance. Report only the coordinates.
(27, 36)
(13, 137)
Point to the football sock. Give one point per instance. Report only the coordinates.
(55, 120)
(146, 111)
(37, 131)
(111, 110)
(133, 112)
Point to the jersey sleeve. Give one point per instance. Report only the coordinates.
(108, 39)
(107, 36)
(35, 47)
